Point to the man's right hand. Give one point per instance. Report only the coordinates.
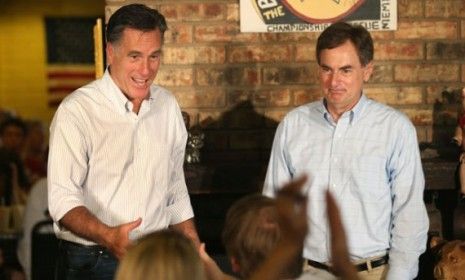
(117, 238)
(83, 223)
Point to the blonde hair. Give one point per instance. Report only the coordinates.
(164, 254)
(251, 231)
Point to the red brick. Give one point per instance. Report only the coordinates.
(232, 12)
(382, 35)
(445, 50)
(445, 8)
(303, 96)
(178, 34)
(269, 37)
(259, 53)
(228, 76)
(426, 73)
(193, 11)
(191, 55)
(290, 75)
(382, 73)
(305, 52)
(410, 8)
(435, 93)
(272, 98)
(424, 134)
(298, 36)
(174, 76)
(210, 54)
(419, 116)
(207, 98)
(437, 29)
(398, 50)
(261, 98)
(462, 29)
(222, 33)
(396, 95)
(463, 72)
(178, 55)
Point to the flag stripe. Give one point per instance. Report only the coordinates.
(66, 78)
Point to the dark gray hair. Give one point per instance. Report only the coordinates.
(136, 16)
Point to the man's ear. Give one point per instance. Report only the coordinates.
(368, 70)
(236, 268)
(110, 50)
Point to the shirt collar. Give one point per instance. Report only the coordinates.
(116, 96)
(354, 113)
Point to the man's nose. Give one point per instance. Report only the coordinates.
(334, 78)
(144, 67)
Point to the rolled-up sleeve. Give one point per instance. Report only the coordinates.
(179, 205)
(67, 164)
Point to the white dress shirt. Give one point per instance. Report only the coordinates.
(370, 161)
(118, 164)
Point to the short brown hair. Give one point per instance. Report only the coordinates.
(251, 231)
(341, 32)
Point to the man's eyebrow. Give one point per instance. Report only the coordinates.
(133, 53)
(346, 67)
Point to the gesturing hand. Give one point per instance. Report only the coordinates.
(118, 237)
(292, 211)
(339, 251)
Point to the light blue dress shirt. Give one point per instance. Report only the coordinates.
(370, 161)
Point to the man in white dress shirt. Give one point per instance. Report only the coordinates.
(116, 154)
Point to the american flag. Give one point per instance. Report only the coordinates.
(70, 55)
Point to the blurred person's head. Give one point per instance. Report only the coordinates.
(251, 231)
(12, 133)
(35, 137)
(165, 254)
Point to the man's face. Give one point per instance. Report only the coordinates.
(342, 76)
(134, 61)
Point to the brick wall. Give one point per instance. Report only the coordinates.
(241, 84)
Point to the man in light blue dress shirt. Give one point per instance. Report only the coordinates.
(365, 153)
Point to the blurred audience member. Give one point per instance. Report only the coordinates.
(14, 184)
(164, 254)
(264, 238)
(36, 211)
(34, 152)
(13, 132)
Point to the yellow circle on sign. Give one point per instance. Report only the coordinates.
(318, 11)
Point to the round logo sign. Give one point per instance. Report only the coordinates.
(318, 11)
